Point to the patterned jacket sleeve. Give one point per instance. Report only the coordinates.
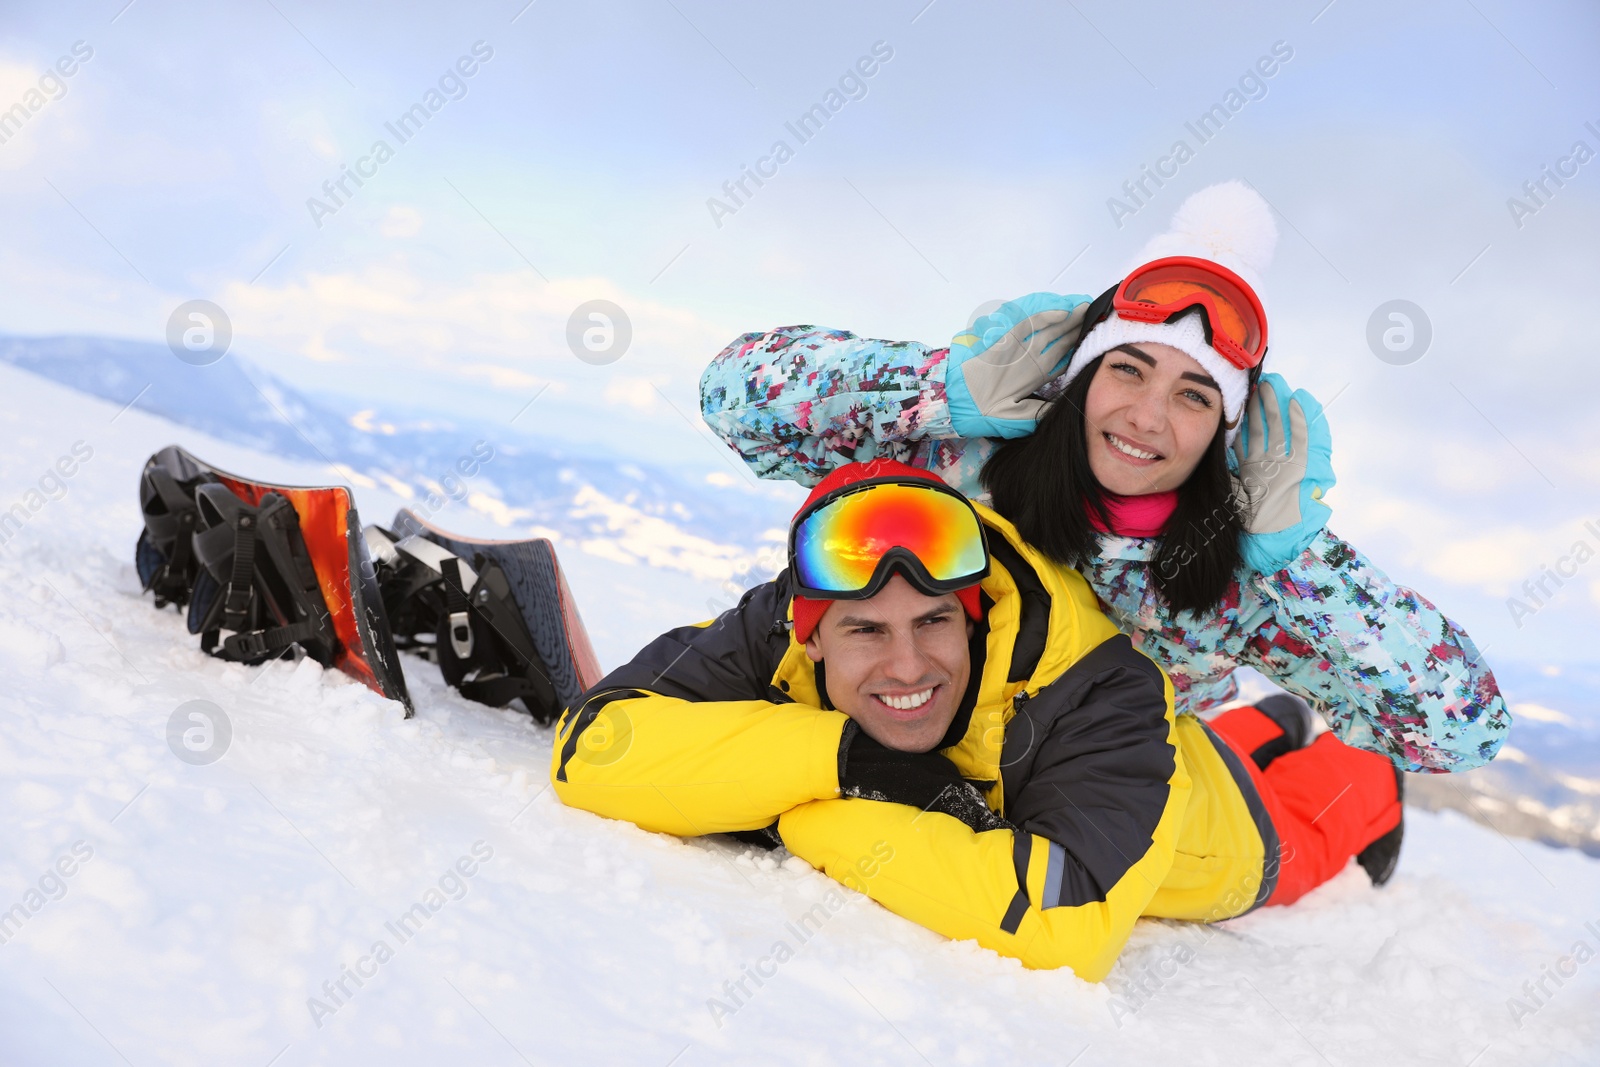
(1389, 672)
(798, 401)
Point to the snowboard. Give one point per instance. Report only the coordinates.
(540, 590)
(331, 530)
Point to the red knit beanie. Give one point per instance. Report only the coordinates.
(808, 612)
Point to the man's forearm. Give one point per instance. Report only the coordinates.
(693, 768)
(932, 869)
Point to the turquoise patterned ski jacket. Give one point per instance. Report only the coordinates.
(1384, 668)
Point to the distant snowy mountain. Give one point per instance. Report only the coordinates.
(220, 399)
(1545, 783)
(720, 527)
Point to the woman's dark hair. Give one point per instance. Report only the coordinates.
(1043, 484)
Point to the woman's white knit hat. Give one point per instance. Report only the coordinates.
(1229, 224)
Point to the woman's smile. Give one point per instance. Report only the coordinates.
(1130, 451)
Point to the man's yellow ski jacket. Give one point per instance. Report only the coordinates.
(1121, 809)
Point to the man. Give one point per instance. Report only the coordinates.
(930, 711)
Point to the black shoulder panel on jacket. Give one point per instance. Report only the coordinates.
(1034, 627)
(1088, 764)
(978, 653)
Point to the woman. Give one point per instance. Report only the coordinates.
(1136, 441)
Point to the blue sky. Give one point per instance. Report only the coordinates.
(976, 166)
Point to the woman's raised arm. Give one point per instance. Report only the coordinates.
(1389, 672)
(798, 401)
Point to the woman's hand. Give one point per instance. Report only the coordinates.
(995, 367)
(1285, 458)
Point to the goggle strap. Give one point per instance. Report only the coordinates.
(1099, 311)
(870, 483)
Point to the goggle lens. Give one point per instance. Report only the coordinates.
(838, 547)
(1167, 288)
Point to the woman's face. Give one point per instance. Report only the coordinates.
(1150, 415)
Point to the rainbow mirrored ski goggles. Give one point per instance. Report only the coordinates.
(846, 545)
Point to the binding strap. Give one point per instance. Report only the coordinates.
(259, 644)
(236, 598)
(258, 581)
(170, 519)
(482, 642)
(525, 674)
(458, 624)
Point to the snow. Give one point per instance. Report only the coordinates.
(207, 904)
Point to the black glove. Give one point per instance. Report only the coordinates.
(923, 780)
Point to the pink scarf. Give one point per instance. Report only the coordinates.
(1137, 516)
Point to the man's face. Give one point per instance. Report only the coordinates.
(898, 664)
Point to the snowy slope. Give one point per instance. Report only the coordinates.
(217, 900)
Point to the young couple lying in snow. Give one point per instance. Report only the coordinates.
(985, 716)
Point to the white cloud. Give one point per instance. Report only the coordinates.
(1540, 713)
(366, 422)
(501, 377)
(316, 349)
(15, 80)
(400, 488)
(1494, 559)
(35, 113)
(401, 221)
(637, 393)
(322, 145)
(510, 327)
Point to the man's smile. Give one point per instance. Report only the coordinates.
(907, 705)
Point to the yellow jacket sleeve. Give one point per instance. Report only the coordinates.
(694, 767)
(692, 736)
(932, 869)
(1098, 790)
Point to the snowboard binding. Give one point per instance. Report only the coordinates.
(165, 554)
(255, 578)
(271, 570)
(278, 568)
(496, 616)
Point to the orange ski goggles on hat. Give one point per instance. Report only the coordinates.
(846, 545)
(1164, 289)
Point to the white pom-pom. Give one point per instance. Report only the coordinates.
(1229, 223)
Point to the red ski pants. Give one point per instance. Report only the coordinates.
(1327, 801)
